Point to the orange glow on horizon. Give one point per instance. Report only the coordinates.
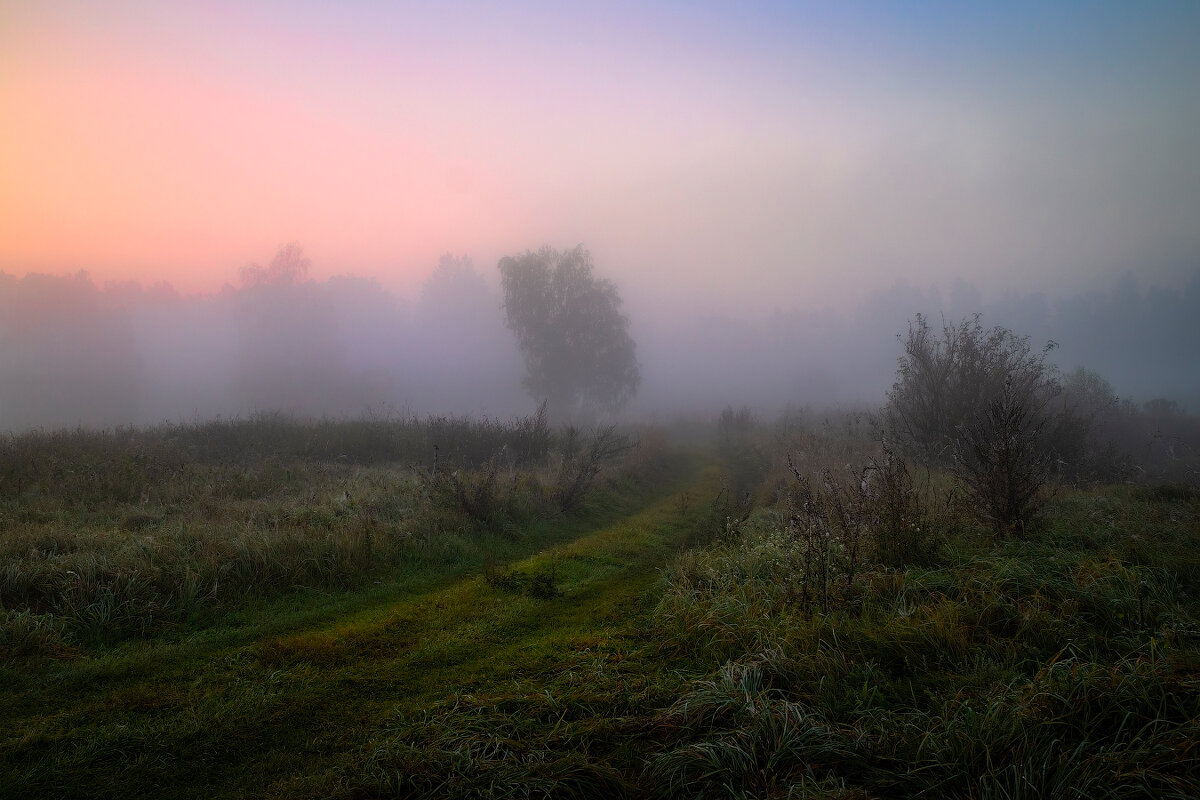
(151, 177)
(825, 152)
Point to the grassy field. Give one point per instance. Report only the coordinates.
(299, 611)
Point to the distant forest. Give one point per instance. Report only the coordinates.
(75, 353)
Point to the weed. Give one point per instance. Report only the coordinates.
(904, 531)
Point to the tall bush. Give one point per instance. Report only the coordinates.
(977, 401)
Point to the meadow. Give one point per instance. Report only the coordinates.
(445, 607)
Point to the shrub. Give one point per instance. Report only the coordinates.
(582, 461)
(999, 460)
(1084, 430)
(829, 524)
(977, 401)
(480, 494)
(902, 531)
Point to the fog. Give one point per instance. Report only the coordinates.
(74, 353)
(775, 190)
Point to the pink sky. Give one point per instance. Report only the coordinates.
(709, 157)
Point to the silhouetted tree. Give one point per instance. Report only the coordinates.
(944, 382)
(568, 323)
(461, 359)
(67, 356)
(1088, 416)
(291, 357)
(289, 266)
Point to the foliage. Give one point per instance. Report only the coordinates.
(1085, 428)
(477, 494)
(289, 266)
(903, 527)
(978, 401)
(958, 395)
(828, 524)
(289, 348)
(1001, 462)
(68, 354)
(847, 520)
(570, 329)
(584, 458)
(1064, 665)
(943, 383)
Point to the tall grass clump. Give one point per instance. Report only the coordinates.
(759, 743)
(485, 751)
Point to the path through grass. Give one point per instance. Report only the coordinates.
(407, 688)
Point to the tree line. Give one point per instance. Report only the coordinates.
(73, 353)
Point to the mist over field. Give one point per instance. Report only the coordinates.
(774, 193)
(77, 354)
(599, 400)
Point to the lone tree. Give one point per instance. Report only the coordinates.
(575, 341)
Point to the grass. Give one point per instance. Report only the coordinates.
(122, 534)
(653, 642)
(305, 693)
(1064, 665)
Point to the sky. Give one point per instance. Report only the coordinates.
(714, 157)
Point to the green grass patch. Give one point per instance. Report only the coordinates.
(310, 694)
(1060, 666)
